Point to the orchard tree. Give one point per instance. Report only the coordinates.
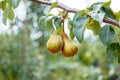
(99, 18)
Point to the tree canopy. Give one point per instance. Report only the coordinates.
(23, 51)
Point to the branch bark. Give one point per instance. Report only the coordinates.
(74, 10)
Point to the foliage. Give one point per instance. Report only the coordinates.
(7, 6)
(25, 57)
(21, 59)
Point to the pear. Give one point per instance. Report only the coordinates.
(69, 48)
(55, 43)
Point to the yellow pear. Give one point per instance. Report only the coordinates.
(55, 43)
(69, 48)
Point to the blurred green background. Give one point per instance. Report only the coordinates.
(24, 56)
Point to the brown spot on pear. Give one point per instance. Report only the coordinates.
(55, 43)
(69, 48)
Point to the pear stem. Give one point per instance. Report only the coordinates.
(63, 27)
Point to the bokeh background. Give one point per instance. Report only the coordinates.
(24, 56)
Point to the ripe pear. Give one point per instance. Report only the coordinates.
(69, 48)
(55, 43)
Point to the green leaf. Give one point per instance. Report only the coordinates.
(8, 13)
(70, 24)
(71, 34)
(55, 4)
(111, 52)
(108, 12)
(94, 26)
(117, 34)
(98, 15)
(79, 27)
(15, 3)
(49, 25)
(118, 51)
(106, 3)
(11, 14)
(79, 21)
(96, 6)
(117, 15)
(70, 27)
(57, 22)
(3, 5)
(47, 9)
(60, 30)
(80, 13)
(5, 14)
(107, 34)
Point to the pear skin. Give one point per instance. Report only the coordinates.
(55, 43)
(69, 48)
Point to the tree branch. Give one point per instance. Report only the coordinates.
(74, 10)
